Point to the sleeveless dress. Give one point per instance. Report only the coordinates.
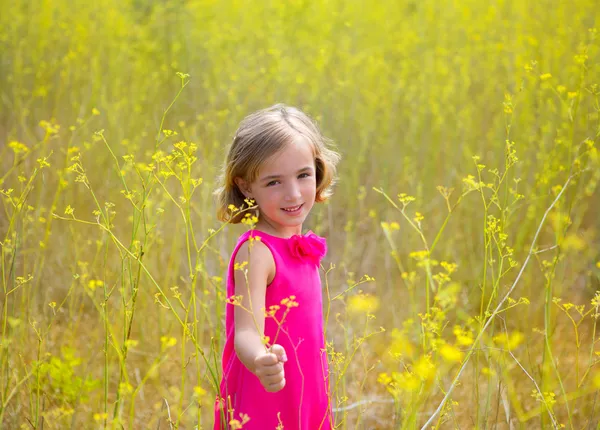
(304, 403)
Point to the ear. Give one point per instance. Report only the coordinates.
(244, 187)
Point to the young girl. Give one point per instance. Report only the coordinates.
(275, 372)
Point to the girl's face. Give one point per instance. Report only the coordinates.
(285, 189)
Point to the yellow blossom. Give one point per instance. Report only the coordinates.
(199, 391)
(463, 337)
(363, 303)
(451, 353)
(167, 342)
(401, 345)
(514, 339)
(423, 368)
(409, 381)
(18, 147)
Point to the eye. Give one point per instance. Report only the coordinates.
(270, 184)
(303, 175)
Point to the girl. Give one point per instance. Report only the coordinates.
(275, 372)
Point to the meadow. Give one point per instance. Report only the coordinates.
(462, 282)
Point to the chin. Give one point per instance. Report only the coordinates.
(292, 223)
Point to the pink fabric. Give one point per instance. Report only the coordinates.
(304, 402)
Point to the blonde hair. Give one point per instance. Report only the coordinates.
(259, 136)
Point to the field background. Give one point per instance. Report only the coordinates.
(469, 134)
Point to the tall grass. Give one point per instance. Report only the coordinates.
(461, 285)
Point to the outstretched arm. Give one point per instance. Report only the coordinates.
(249, 326)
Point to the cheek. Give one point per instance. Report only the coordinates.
(309, 188)
(271, 196)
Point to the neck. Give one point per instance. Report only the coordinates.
(267, 227)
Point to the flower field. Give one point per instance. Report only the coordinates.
(461, 286)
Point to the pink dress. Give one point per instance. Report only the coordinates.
(304, 402)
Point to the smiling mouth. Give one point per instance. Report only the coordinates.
(293, 208)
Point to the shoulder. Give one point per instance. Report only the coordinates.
(256, 256)
(253, 248)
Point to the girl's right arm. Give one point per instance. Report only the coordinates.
(249, 326)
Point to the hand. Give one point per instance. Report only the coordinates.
(269, 368)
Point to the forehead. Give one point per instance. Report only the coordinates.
(295, 155)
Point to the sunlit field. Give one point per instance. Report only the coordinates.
(462, 282)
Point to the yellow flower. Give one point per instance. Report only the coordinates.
(487, 371)
(401, 345)
(363, 303)
(390, 226)
(95, 283)
(125, 388)
(384, 379)
(424, 369)
(199, 391)
(18, 147)
(451, 353)
(290, 302)
(580, 58)
(513, 340)
(100, 417)
(573, 242)
(409, 381)
(545, 76)
(463, 337)
(405, 199)
(419, 255)
(167, 342)
(131, 343)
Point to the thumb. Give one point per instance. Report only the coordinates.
(279, 351)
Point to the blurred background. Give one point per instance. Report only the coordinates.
(469, 134)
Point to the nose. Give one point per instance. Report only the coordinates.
(293, 193)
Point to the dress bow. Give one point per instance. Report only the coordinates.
(309, 246)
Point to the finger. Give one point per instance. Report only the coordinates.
(279, 351)
(273, 369)
(273, 388)
(268, 370)
(268, 359)
(273, 379)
